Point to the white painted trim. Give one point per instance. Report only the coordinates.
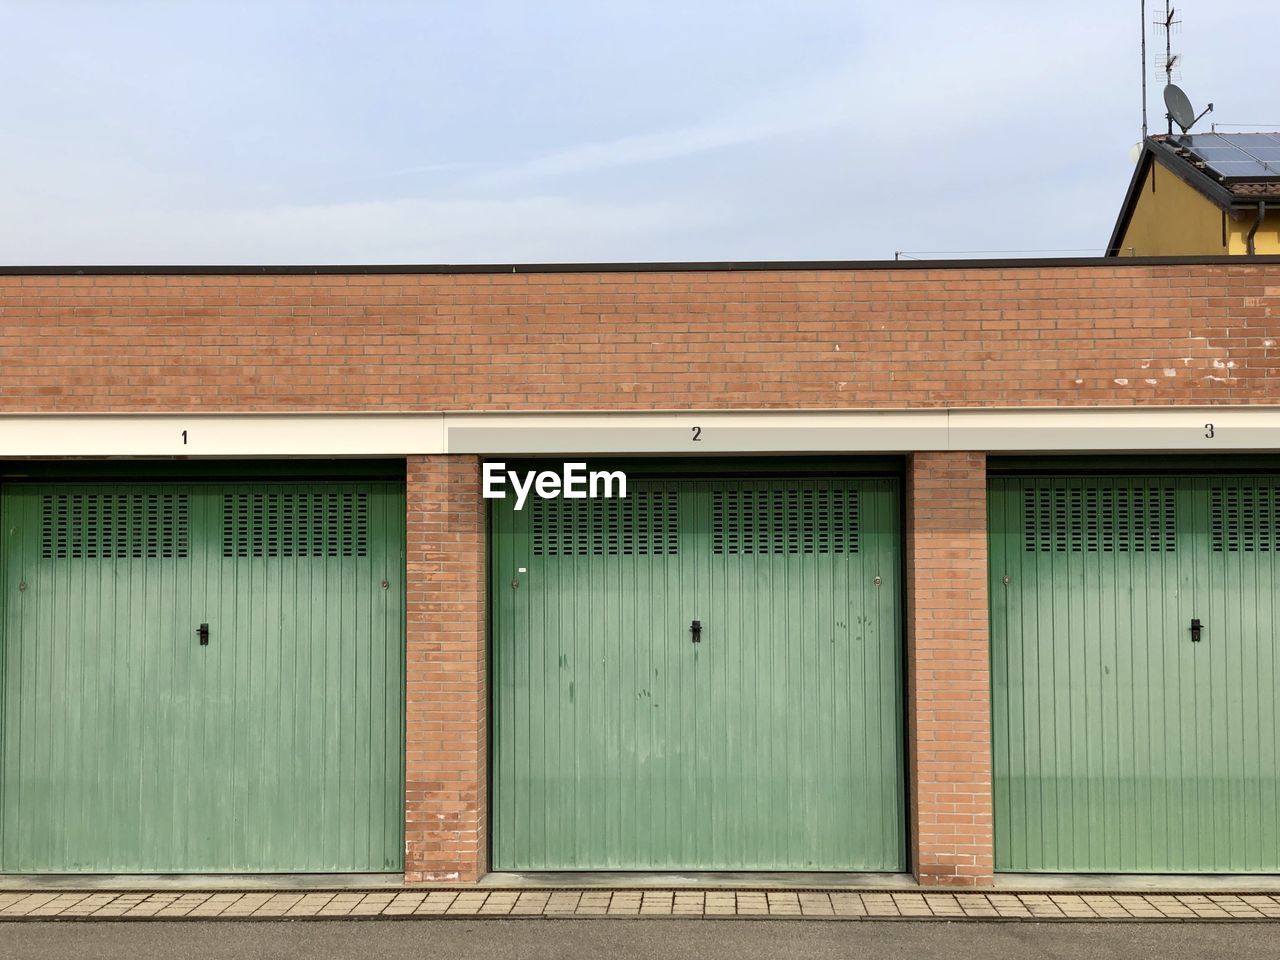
(1139, 430)
(220, 435)
(1067, 430)
(1026, 430)
(718, 433)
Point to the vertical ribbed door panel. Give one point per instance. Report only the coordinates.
(127, 746)
(1120, 744)
(589, 625)
(800, 689)
(773, 743)
(1238, 736)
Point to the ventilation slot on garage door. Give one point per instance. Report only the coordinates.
(1099, 519)
(784, 521)
(1245, 519)
(114, 526)
(643, 524)
(296, 525)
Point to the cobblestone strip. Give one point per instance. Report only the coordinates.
(1267, 906)
(912, 905)
(1236, 907)
(90, 905)
(848, 905)
(310, 905)
(467, 903)
(63, 901)
(624, 903)
(816, 905)
(151, 905)
(500, 903)
(183, 905)
(1139, 907)
(719, 903)
(531, 904)
(404, 904)
(943, 905)
(1073, 907)
(976, 905)
(25, 904)
(593, 902)
(1008, 905)
(339, 905)
(436, 902)
(689, 903)
(1171, 907)
(563, 903)
(372, 904)
(120, 905)
(880, 905)
(783, 904)
(278, 905)
(657, 903)
(1203, 908)
(645, 903)
(246, 905)
(216, 905)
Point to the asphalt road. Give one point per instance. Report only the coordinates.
(617, 939)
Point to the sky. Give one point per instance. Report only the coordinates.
(477, 131)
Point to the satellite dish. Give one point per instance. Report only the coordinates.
(1180, 110)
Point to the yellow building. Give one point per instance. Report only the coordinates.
(1202, 194)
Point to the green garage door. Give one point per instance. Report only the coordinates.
(1122, 744)
(772, 743)
(128, 745)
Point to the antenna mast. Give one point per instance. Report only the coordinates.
(1144, 70)
(1171, 61)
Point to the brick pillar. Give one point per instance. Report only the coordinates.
(948, 669)
(445, 686)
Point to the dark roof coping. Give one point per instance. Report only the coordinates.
(696, 266)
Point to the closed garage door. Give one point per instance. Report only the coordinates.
(1122, 743)
(130, 744)
(774, 742)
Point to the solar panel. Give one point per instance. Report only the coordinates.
(1236, 156)
(1247, 140)
(1257, 145)
(1236, 169)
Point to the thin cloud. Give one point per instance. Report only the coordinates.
(395, 231)
(398, 133)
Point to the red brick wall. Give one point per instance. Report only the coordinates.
(948, 664)
(1114, 333)
(1034, 335)
(446, 738)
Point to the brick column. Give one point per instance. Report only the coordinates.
(948, 669)
(445, 687)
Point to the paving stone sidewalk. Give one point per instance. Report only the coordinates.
(774, 904)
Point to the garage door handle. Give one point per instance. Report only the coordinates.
(203, 633)
(696, 627)
(1196, 627)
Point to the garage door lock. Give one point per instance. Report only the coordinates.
(1196, 627)
(696, 627)
(203, 633)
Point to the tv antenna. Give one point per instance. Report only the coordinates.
(1144, 70)
(1177, 104)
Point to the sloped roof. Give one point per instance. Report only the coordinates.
(1233, 170)
(1244, 163)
